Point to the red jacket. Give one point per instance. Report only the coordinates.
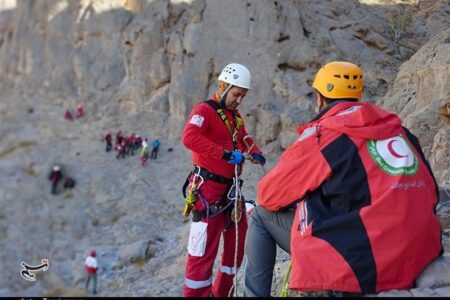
(206, 135)
(91, 265)
(367, 222)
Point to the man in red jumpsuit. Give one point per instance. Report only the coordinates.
(352, 199)
(219, 143)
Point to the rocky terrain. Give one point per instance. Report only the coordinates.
(139, 66)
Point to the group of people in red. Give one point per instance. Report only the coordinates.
(124, 145)
(128, 145)
(79, 112)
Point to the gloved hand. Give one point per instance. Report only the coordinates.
(259, 158)
(233, 157)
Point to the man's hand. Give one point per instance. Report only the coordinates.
(233, 157)
(258, 158)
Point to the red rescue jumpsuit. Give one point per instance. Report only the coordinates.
(206, 135)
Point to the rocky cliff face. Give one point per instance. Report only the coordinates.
(140, 66)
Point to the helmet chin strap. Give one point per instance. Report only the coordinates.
(223, 96)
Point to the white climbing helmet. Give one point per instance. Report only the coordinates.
(236, 75)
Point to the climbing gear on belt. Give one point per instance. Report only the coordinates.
(192, 194)
(189, 201)
(211, 210)
(205, 175)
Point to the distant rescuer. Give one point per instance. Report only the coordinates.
(217, 138)
(55, 176)
(155, 147)
(91, 266)
(352, 199)
(108, 139)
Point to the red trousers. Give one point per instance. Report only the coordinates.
(199, 269)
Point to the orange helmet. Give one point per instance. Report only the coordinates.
(339, 80)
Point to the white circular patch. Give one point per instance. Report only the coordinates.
(395, 152)
(393, 155)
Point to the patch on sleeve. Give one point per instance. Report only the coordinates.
(197, 120)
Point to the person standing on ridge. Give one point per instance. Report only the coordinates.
(352, 199)
(155, 148)
(55, 177)
(91, 265)
(216, 136)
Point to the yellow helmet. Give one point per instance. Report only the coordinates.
(339, 80)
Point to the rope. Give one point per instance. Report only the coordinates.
(237, 186)
(234, 287)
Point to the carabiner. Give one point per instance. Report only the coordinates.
(197, 175)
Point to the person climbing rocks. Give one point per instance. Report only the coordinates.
(215, 134)
(108, 139)
(91, 266)
(55, 177)
(155, 148)
(352, 199)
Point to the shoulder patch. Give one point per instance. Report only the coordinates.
(197, 120)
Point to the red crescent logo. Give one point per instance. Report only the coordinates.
(393, 152)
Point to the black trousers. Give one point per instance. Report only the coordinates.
(154, 153)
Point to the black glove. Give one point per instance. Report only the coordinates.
(260, 158)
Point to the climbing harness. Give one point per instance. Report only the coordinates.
(237, 120)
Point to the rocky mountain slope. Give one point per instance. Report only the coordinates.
(140, 66)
